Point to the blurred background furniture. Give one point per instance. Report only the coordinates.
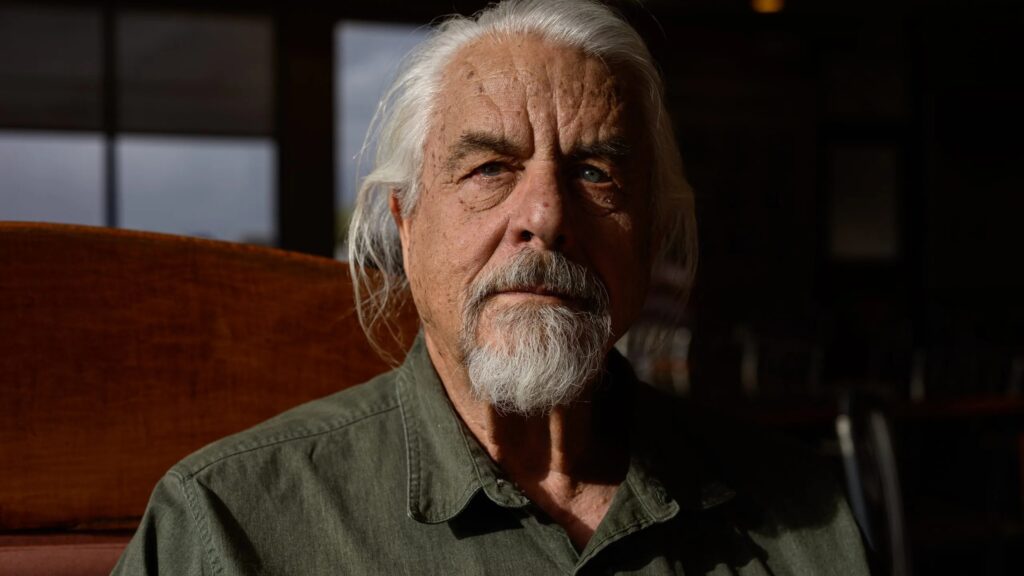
(864, 431)
(121, 352)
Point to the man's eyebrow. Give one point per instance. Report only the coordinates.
(470, 142)
(610, 149)
(614, 149)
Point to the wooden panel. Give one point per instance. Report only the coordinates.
(49, 554)
(121, 352)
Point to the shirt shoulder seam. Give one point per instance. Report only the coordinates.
(202, 523)
(187, 472)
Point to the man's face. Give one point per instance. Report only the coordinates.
(533, 147)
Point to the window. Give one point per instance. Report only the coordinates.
(367, 56)
(211, 187)
(50, 67)
(52, 176)
(186, 103)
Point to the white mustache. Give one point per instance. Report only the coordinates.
(541, 272)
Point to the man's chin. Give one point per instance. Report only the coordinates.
(506, 314)
(528, 361)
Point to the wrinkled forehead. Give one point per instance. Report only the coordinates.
(492, 83)
(540, 63)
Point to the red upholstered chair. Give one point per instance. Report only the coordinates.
(121, 352)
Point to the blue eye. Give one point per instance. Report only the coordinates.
(490, 170)
(593, 175)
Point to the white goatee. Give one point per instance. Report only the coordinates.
(537, 355)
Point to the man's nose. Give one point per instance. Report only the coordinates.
(540, 216)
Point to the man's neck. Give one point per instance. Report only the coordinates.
(569, 462)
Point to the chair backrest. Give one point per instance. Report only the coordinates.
(121, 352)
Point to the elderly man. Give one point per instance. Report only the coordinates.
(526, 182)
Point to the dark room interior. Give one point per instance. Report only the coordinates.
(858, 175)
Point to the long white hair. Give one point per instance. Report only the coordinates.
(402, 122)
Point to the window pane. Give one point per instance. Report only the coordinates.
(50, 67)
(366, 59)
(195, 73)
(219, 188)
(51, 177)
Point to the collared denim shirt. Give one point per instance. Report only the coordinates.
(384, 478)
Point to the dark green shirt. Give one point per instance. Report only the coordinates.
(384, 478)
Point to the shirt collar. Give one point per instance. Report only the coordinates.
(447, 467)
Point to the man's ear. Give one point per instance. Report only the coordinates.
(395, 206)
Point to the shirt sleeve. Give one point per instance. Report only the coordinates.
(170, 538)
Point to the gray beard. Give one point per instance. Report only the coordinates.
(538, 356)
